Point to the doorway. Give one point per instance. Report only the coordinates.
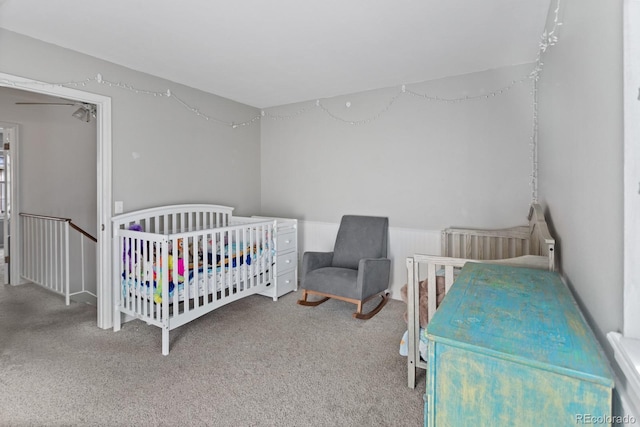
(104, 196)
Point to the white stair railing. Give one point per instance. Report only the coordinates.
(53, 255)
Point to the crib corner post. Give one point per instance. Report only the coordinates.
(117, 285)
(413, 327)
(116, 319)
(165, 340)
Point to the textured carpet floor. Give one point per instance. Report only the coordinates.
(254, 362)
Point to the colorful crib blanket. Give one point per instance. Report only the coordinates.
(423, 344)
(200, 281)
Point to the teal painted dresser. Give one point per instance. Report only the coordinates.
(509, 346)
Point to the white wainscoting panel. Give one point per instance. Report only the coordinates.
(403, 242)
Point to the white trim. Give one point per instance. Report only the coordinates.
(14, 249)
(104, 190)
(626, 346)
(103, 290)
(627, 355)
(631, 299)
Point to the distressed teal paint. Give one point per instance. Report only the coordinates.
(509, 346)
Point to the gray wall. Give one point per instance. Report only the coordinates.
(581, 156)
(162, 153)
(424, 164)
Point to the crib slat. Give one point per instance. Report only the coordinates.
(492, 247)
(184, 264)
(259, 249)
(481, 242)
(444, 243)
(518, 247)
(215, 248)
(139, 275)
(431, 290)
(146, 273)
(233, 251)
(139, 279)
(188, 294)
(195, 256)
(266, 234)
(246, 257)
(223, 271)
(128, 271)
(255, 257)
(136, 273)
(228, 265)
(239, 254)
(209, 282)
(448, 279)
(465, 245)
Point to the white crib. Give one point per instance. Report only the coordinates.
(530, 246)
(173, 264)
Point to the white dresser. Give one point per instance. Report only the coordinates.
(286, 258)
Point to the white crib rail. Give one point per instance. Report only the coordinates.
(46, 255)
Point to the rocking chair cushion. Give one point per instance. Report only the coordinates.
(333, 280)
(360, 237)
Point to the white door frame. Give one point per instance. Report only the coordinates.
(10, 129)
(104, 190)
(631, 298)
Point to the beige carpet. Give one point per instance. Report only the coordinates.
(252, 363)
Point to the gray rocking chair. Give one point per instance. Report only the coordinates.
(356, 271)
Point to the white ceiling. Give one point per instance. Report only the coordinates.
(268, 53)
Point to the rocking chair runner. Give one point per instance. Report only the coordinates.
(356, 271)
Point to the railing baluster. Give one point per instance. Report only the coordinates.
(66, 263)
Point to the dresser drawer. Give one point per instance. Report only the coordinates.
(286, 262)
(286, 282)
(286, 241)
